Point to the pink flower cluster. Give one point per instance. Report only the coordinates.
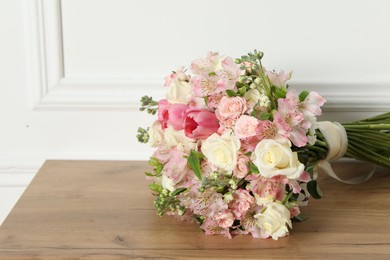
(239, 125)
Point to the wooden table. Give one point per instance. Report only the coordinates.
(103, 210)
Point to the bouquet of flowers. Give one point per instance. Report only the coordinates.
(237, 150)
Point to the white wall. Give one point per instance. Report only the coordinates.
(72, 71)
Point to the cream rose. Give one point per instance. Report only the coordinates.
(156, 135)
(273, 220)
(221, 151)
(274, 158)
(178, 139)
(179, 90)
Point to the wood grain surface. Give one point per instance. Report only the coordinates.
(104, 210)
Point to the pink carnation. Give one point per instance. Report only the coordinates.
(200, 124)
(230, 109)
(245, 126)
(241, 203)
(224, 218)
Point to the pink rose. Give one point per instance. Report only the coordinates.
(176, 116)
(224, 218)
(162, 113)
(241, 170)
(245, 126)
(230, 109)
(241, 203)
(200, 124)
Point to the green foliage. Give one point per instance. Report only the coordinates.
(314, 189)
(369, 139)
(148, 104)
(143, 136)
(158, 167)
(253, 168)
(167, 201)
(193, 161)
(303, 95)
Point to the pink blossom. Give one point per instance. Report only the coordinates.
(211, 227)
(241, 203)
(278, 79)
(163, 114)
(230, 109)
(169, 79)
(312, 104)
(175, 168)
(208, 203)
(224, 218)
(295, 121)
(249, 144)
(207, 65)
(176, 116)
(228, 75)
(200, 124)
(214, 100)
(242, 168)
(245, 126)
(277, 129)
(305, 177)
(204, 86)
(268, 188)
(250, 225)
(294, 211)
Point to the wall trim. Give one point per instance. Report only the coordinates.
(51, 90)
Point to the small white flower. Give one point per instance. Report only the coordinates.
(273, 220)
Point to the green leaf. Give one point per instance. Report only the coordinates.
(206, 100)
(280, 92)
(178, 191)
(303, 95)
(193, 161)
(231, 93)
(155, 187)
(314, 189)
(300, 218)
(265, 115)
(253, 168)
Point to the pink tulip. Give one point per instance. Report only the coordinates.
(200, 124)
(176, 116)
(163, 114)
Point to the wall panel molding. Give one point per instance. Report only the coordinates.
(51, 90)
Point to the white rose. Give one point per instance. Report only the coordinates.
(273, 219)
(167, 183)
(179, 90)
(178, 139)
(274, 158)
(156, 135)
(221, 151)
